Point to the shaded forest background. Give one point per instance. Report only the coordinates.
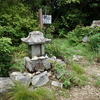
(19, 17)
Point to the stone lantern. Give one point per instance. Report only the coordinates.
(35, 42)
(36, 60)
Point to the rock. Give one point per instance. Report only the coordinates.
(76, 57)
(25, 80)
(5, 83)
(30, 65)
(47, 64)
(53, 58)
(17, 76)
(38, 72)
(85, 39)
(58, 84)
(40, 79)
(28, 74)
(42, 57)
(35, 58)
(49, 73)
(95, 23)
(59, 61)
(13, 74)
(39, 65)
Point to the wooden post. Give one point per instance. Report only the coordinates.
(40, 19)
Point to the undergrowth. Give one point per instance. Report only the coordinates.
(19, 91)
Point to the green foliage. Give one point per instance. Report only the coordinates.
(77, 68)
(75, 36)
(72, 18)
(48, 30)
(64, 75)
(70, 75)
(97, 80)
(19, 91)
(16, 21)
(5, 55)
(52, 50)
(81, 80)
(20, 51)
(18, 64)
(95, 42)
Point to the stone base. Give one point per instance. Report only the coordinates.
(36, 65)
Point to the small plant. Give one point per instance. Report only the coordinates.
(48, 30)
(97, 83)
(61, 92)
(64, 75)
(95, 42)
(18, 64)
(5, 56)
(77, 68)
(82, 80)
(18, 91)
(52, 50)
(97, 80)
(20, 51)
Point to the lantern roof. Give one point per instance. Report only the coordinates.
(35, 37)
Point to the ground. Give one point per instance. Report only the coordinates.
(87, 92)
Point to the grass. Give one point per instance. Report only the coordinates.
(97, 80)
(61, 92)
(69, 50)
(77, 68)
(18, 91)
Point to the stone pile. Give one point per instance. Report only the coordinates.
(37, 78)
(37, 63)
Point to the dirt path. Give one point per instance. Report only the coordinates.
(88, 92)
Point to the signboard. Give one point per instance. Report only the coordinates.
(46, 19)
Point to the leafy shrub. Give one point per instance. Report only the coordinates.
(72, 18)
(20, 51)
(5, 55)
(20, 91)
(75, 36)
(63, 74)
(94, 41)
(70, 75)
(17, 64)
(52, 50)
(16, 21)
(48, 30)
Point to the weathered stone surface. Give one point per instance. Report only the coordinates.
(29, 65)
(28, 74)
(37, 65)
(35, 37)
(56, 83)
(85, 39)
(59, 61)
(76, 57)
(95, 23)
(5, 83)
(40, 79)
(47, 64)
(17, 76)
(35, 42)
